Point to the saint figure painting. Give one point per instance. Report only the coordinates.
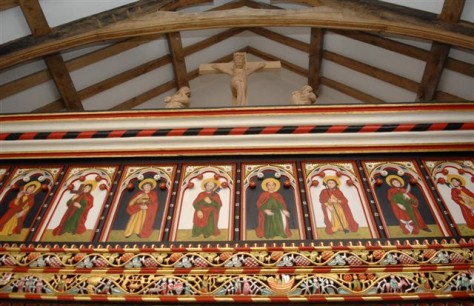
(75, 211)
(78, 206)
(205, 204)
(338, 205)
(273, 212)
(406, 207)
(454, 181)
(21, 200)
(271, 206)
(140, 205)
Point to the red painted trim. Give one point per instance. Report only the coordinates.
(28, 136)
(404, 127)
(468, 126)
(386, 297)
(207, 132)
(337, 128)
(133, 299)
(117, 133)
(86, 134)
(437, 126)
(271, 130)
(370, 128)
(56, 135)
(177, 132)
(238, 131)
(146, 133)
(303, 129)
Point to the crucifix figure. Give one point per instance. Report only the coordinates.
(239, 70)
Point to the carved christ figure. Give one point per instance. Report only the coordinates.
(239, 70)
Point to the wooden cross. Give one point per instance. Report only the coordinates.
(239, 70)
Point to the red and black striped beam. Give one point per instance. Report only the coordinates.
(226, 131)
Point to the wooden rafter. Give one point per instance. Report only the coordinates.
(161, 89)
(336, 14)
(315, 58)
(451, 12)
(8, 4)
(103, 19)
(139, 70)
(39, 77)
(315, 49)
(177, 56)
(363, 68)
(201, 45)
(57, 68)
(352, 92)
(408, 50)
(284, 40)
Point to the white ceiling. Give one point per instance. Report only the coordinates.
(265, 88)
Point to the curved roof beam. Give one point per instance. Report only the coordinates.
(339, 14)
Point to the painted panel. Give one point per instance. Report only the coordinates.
(205, 209)
(140, 206)
(337, 203)
(404, 201)
(271, 204)
(454, 180)
(74, 213)
(22, 197)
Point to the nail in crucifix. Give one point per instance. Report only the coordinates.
(239, 70)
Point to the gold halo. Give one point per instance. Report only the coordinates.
(93, 183)
(458, 177)
(217, 183)
(396, 177)
(32, 183)
(271, 179)
(150, 181)
(332, 177)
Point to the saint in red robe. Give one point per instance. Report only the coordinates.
(10, 223)
(74, 219)
(336, 211)
(274, 225)
(465, 199)
(141, 220)
(208, 204)
(405, 208)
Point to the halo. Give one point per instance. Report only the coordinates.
(93, 183)
(150, 181)
(458, 177)
(271, 179)
(217, 183)
(32, 183)
(396, 177)
(333, 178)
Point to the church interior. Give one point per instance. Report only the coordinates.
(237, 151)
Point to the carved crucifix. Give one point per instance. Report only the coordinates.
(239, 70)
